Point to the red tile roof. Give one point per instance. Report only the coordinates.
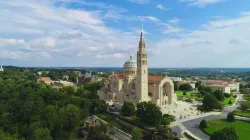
(155, 78)
(45, 79)
(218, 85)
(182, 83)
(120, 76)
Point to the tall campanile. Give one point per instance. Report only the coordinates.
(142, 71)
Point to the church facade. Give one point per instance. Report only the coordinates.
(134, 84)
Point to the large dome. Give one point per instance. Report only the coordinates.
(130, 63)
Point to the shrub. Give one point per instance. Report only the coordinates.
(230, 117)
(227, 95)
(227, 133)
(230, 102)
(184, 93)
(203, 124)
(165, 121)
(235, 96)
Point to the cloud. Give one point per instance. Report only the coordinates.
(151, 18)
(56, 31)
(11, 42)
(201, 3)
(220, 43)
(170, 29)
(159, 6)
(174, 20)
(139, 1)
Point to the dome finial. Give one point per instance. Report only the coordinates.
(131, 56)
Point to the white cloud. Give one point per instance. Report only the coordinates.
(151, 18)
(221, 43)
(201, 3)
(174, 20)
(47, 31)
(139, 1)
(159, 6)
(11, 42)
(170, 29)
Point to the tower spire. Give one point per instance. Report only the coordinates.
(142, 31)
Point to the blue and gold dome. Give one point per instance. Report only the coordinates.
(130, 63)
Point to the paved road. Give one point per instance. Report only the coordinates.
(191, 124)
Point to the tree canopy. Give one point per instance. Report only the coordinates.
(128, 109)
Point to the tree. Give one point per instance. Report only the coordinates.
(41, 134)
(197, 84)
(70, 117)
(210, 102)
(136, 134)
(128, 109)
(244, 90)
(184, 93)
(176, 85)
(149, 113)
(244, 105)
(219, 95)
(186, 87)
(50, 115)
(230, 117)
(227, 133)
(203, 124)
(204, 93)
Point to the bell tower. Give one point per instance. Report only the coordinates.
(142, 71)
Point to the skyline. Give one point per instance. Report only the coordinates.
(101, 33)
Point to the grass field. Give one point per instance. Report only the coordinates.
(242, 128)
(226, 100)
(197, 96)
(190, 95)
(242, 113)
(104, 117)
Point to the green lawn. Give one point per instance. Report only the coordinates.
(242, 128)
(226, 100)
(104, 117)
(195, 96)
(198, 97)
(242, 113)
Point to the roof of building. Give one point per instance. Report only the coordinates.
(130, 63)
(119, 76)
(182, 83)
(45, 79)
(218, 85)
(155, 78)
(232, 82)
(212, 81)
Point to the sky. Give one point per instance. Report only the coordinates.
(103, 33)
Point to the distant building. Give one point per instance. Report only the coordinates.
(63, 83)
(78, 73)
(235, 86)
(46, 80)
(222, 85)
(1, 68)
(223, 88)
(175, 78)
(190, 83)
(99, 72)
(65, 77)
(26, 70)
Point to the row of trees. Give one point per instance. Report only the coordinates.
(31, 110)
(146, 111)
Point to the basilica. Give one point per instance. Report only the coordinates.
(134, 84)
